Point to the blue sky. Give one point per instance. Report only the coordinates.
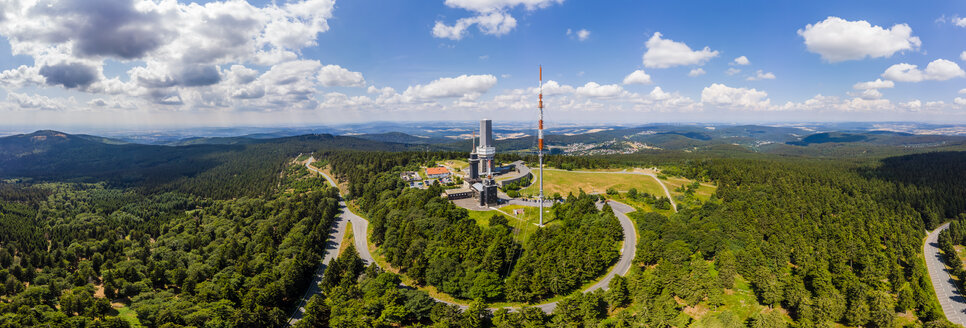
(171, 63)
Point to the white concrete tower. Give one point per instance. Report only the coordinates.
(486, 151)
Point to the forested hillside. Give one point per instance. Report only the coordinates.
(87, 253)
(217, 171)
(784, 241)
(815, 238)
(436, 243)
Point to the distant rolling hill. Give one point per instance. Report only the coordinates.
(399, 137)
(218, 170)
(782, 140)
(820, 138)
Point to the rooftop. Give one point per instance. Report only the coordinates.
(436, 170)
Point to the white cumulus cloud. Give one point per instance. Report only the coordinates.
(760, 75)
(447, 87)
(741, 61)
(491, 16)
(581, 35)
(696, 72)
(723, 95)
(336, 76)
(962, 56)
(637, 77)
(595, 90)
(867, 94)
(664, 53)
(960, 101)
(913, 105)
(196, 55)
(492, 23)
(937, 70)
(877, 84)
(837, 40)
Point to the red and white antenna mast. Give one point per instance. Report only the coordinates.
(540, 145)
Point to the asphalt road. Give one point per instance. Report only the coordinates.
(627, 250)
(332, 244)
(951, 299)
(360, 227)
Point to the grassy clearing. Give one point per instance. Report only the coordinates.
(454, 163)
(565, 182)
(703, 193)
(482, 218)
(348, 239)
(129, 315)
(740, 301)
(523, 226)
(640, 206)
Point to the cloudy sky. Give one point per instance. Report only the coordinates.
(306, 62)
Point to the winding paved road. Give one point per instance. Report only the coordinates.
(360, 227)
(666, 191)
(951, 299)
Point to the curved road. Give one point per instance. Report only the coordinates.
(950, 297)
(332, 245)
(666, 191)
(360, 227)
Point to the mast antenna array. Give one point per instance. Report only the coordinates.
(540, 145)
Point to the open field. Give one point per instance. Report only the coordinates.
(564, 182)
(740, 301)
(703, 193)
(525, 224)
(454, 164)
(129, 315)
(639, 205)
(482, 218)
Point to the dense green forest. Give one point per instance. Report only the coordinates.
(436, 243)
(228, 236)
(214, 171)
(173, 258)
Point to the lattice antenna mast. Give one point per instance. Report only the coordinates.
(540, 145)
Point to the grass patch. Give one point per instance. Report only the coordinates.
(129, 315)
(348, 239)
(565, 182)
(640, 206)
(740, 301)
(454, 163)
(703, 193)
(526, 224)
(482, 218)
(523, 226)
